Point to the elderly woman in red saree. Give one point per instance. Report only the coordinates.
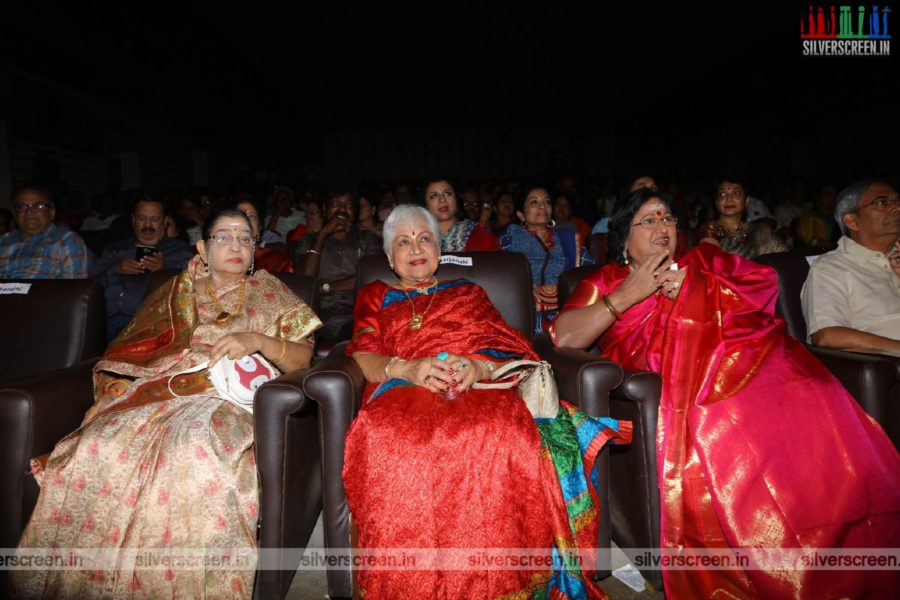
(758, 445)
(431, 463)
(161, 461)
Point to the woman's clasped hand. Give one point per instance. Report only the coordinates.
(439, 375)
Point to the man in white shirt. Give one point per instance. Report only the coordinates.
(851, 298)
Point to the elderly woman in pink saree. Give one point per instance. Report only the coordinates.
(161, 462)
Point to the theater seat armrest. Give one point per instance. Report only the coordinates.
(841, 362)
(336, 384)
(640, 387)
(583, 379)
(281, 397)
(870, 378)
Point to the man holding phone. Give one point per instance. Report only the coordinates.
(124, 265)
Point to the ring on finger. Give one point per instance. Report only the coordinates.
(463, 364)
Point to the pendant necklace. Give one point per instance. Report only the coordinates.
(418, 319)
(224, 315)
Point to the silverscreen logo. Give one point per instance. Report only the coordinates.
(831, 29)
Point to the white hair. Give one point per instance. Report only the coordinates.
(848, 201)
(405, 214)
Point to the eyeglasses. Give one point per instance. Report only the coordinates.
(667, 221)
(224, 239)
(20, 208)
(732, 193)
(882, 203)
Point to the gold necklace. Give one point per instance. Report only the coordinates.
(417, 320)
(224, 315)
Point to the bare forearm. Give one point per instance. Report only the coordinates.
(581, 327)
(850, 339)
(287, 356)
(309, 264)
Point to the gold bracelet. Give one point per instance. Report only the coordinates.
(283, 351)
(611, 308)
(387, 367)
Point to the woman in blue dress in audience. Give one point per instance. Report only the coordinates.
(549, 250)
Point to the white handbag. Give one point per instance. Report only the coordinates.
(536, 384)
(236, 380)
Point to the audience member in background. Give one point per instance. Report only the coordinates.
(189, 209)
(562, 214)
(285, 215)
(124, 266)
(367, 219)
(851, 298)
(331, 255)
(176, 227)
(504, 212)
(549, 251)
(38, 249)
(815, 231)
(270, 259)
(386, 205)
(104, 213)
(7, 221)
(314, 223)
(402, 195)
(475, 208)
(439, 198)
(78, 210)
(730, 231)
(756, 210)
(791, 206)
(264, 237)
(644, 182)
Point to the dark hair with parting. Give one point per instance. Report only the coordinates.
(623, 216)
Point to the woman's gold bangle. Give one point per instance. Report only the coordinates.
(612, 309)
(280, 356)
(387, 367)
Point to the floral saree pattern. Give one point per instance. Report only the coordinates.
(167, 465)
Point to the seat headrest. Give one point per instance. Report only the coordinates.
(55, 324)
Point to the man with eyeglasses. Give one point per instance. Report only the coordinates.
(38, 249)
(851, 298)
(124, 265)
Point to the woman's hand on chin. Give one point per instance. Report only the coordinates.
(234, 346)
(431, 373)
(645, 279)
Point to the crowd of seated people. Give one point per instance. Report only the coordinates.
(293, 230)
(710, 233)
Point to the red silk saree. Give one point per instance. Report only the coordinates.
(758, 445)
(473, 473)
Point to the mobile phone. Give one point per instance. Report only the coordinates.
(142, 251)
